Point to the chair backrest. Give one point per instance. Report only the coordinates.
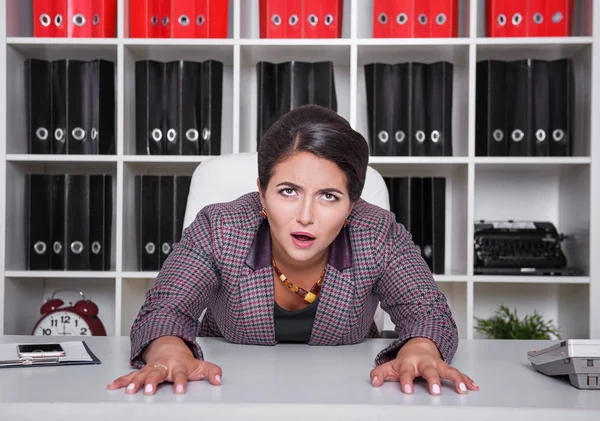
(223, 178)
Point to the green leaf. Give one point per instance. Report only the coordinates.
(505, 324)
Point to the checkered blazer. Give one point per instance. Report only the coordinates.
(222, 264)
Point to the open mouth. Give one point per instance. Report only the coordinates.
(302, 237)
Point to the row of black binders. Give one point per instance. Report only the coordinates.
(178, 107)
(525, 108)
(409, 108)
(419, 204)
(70, 106)
(69, 221)
(285, 86)
(160, 202)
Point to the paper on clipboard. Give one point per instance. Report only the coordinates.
(77, 352)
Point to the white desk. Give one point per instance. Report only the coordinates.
(291, 382)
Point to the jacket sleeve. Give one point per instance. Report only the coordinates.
(410, 295)
(181, 291)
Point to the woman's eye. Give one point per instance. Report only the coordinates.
(287, 192)
(330, 197)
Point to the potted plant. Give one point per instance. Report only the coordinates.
(507, 325)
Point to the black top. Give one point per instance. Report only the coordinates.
(295, 326)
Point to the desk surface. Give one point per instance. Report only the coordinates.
(294, 381)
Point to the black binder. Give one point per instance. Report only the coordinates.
(38, 95)
(321, 85)
(166, 216)
(150, 103)
(379, 78)
(59, 106)
(416, 211)
(400, 199)
(173, 110)
(434, 222)
(268, 105)
(439, 109)
(190, 108)
(147, 216)
(58, 222)
(79, 100)
(490, 122)
(77, 221)
(540, 112)
(211, 106)
(401, 101)
(182, 190)
(518, 81)
(39, 219)
(562, 88)
(103, 106)
(100, 222)
(419, 109)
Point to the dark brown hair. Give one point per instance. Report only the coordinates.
(322, 132)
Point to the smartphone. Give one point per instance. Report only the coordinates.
(40, 350)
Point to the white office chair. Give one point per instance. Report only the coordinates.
(223, 178)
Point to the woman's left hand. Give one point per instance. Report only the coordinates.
(420, 357)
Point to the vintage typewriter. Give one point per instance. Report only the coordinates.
(519, 247)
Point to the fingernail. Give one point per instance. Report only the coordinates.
(218, 379)
(373, 380)
(462, 387)
(407, 388)
(131, 386)
(179, 388)
(148, 388)
(474, 385)
(436, 389)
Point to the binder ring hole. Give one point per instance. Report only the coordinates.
(557, 17)
(192, 135)
(154, 20)
(498, 135)
(276, 19)
(94, 134)
(435, 136)
(77, 247)
(45, 20)
(59, 135)
(57, 247)
(78, 133)
(558, 135)
(183, 20)
(517, 19)
(538, 18)
(165, 20)
(166, 248)
(96, 19)
(427, 251)
(400, 136)
(383, 136)
(40, 247)
(382, 18)
(402, 19)
(200, 20)
(294, 20)
(79, 19)
(156, 135)
(440, 19)
(205, 134)
(540, 135)
(42, 133)
(150, 248)
(96, 247)
(172, 135)
(420, 136)
(501, 19)
(328, 20)
(423, 19)
(313, 19)
(58, 20)
(517, 135)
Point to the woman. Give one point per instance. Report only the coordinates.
(304, 259)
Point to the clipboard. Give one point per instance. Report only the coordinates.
(51, 361)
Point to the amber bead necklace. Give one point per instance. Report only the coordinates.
(308, 296)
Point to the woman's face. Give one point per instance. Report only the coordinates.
(306, 203)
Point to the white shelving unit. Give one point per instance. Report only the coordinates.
(565, 191)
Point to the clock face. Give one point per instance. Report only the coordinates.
(63, 323)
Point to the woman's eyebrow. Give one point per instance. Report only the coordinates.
(295, 186)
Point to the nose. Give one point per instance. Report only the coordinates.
(305, 213)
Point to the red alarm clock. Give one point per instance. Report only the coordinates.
(78, 320)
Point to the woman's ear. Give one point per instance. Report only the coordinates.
(260, 192)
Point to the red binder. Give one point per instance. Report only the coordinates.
(43, 18)
(188, 18)
(443, 18)
(272, 18)
(331, 16)
(536, 18)
(294, 18)
(497, 18)
(422, 22)
(559, 22)
(312, 19)
(143, 20)
(403, 18)
(104, 18)
(163, 12)
(383, 18)
(79, 18)
(516, 13)
(61, 18)
(218, 18)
